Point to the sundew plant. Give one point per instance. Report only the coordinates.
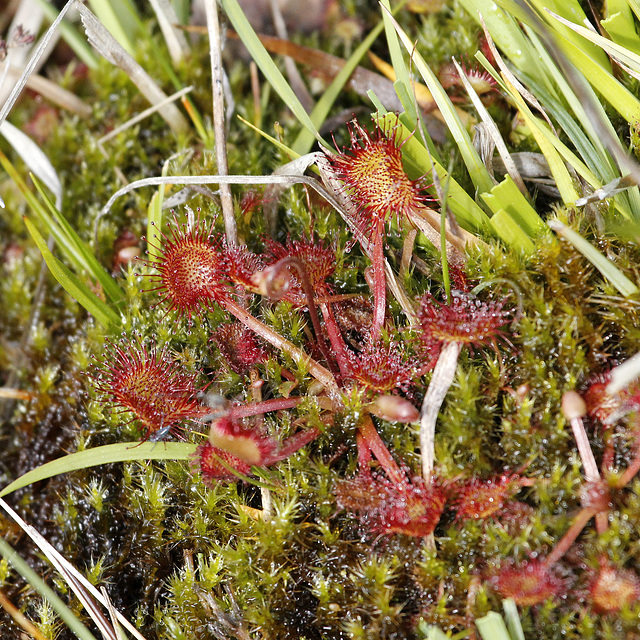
(320, 321)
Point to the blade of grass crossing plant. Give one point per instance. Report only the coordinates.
(154, 218)
(306, 138)
(66, 615)
(513, 619)
(77, 289)
(266, 64)
(477, 171)
(467, 212)
(110, 453)
(492, 627)
(78, 252)
(276, 143)
(625, 286)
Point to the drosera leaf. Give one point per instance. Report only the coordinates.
(107, 454)
(77, 289)
(625, 286)
(45, 591)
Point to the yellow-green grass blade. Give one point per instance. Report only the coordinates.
(77, 289)
(558, 169)
(506, 32)
(615, 50)
(107, 454)
(493, 627)
(572, 11)
(506, 196)
(74, 250)
(121, 19)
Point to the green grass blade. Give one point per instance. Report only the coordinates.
(45, 591)
(625, 286)
(510, 232)
(572, 11)
(77, 289)
(77, 251)
(506, 196)
(306, 138)
(547, 146)
(620, 25)
(477, 171)
(615, 50)
(276, 143)
(119, 452)
(72, 247)
(266, 64)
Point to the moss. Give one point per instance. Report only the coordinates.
(188, 561)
